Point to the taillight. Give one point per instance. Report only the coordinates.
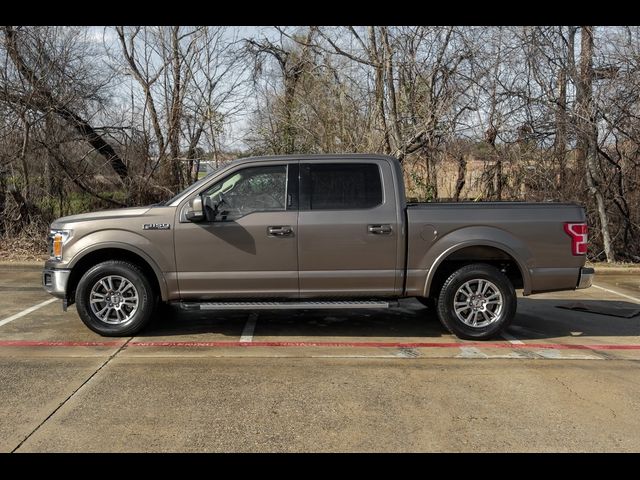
(579, 237)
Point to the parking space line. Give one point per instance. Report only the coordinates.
(471, 352)
(250, 326)
(511, 339)
(637, 300)
(557, 355)
(26, 311)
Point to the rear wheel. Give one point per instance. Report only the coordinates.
(114, 299)
(477, 302)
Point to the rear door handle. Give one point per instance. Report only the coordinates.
(281, 231)
(380, 229)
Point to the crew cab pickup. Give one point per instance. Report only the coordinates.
(314, 231)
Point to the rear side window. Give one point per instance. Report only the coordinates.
(335, 186)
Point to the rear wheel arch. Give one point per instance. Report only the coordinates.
(477, 251)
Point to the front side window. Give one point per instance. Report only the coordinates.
(335, 186)
(253, 189)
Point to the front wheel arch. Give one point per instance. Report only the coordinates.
(94, 257)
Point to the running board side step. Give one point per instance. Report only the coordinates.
(285, 305)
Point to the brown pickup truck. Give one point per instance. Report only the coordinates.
(314, 231)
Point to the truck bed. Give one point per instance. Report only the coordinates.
(533, 233)
(419, 205)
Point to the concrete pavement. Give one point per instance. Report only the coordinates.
(321, 381)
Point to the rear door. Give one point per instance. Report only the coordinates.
(347, 229)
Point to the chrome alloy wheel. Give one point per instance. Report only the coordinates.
(114, 299)
(478, 303)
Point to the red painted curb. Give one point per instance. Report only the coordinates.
(36, 343)
(558, 346)
(552, 346)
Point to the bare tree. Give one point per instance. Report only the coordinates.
(292, 63)
(100, 117)
(40, 96)
(185, 74)
(587, 150)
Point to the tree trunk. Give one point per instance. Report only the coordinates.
(462, 173)
(23, 156)
(588, 136)
(492, 132)
(560, 146)
(395, 119)
(172, 171)
(374, 54)
(194, 163)
(3, 196)
(292, 74)
(499, 174)
(23, 206)
(289, 133)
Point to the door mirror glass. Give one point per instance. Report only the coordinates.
(195, 213)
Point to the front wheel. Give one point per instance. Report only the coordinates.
(477, 302)
(115, 299)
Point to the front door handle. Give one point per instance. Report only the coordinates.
(380, 229)
(283, 231)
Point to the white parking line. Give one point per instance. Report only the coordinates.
(250, 326)
(559, 355)
(27, 311)
(618, 293)
(470, 352)
(511, 339)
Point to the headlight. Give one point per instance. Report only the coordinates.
(57, 239)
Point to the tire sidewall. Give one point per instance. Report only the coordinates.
(446, 310)
(140, 282)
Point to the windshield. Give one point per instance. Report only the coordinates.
(193, 186)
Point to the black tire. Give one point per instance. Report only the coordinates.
(146, 299)
(498, 319)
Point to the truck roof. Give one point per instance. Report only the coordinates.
(322, 156)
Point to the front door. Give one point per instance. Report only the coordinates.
(250, 249)
(347, 229)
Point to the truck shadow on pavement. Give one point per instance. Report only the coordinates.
(409, 320)
(535, 319)
(541, 318)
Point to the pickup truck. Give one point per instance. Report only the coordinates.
(314, 231)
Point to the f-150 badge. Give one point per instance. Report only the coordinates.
(156, 226)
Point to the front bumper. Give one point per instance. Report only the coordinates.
(55, 282)
(585, 280)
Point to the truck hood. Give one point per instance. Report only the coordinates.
(103, 215)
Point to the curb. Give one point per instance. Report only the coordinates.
(22, 265)
(617, 270)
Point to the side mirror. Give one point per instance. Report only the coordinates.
(195, 213)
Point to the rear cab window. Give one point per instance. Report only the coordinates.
(340, 186)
